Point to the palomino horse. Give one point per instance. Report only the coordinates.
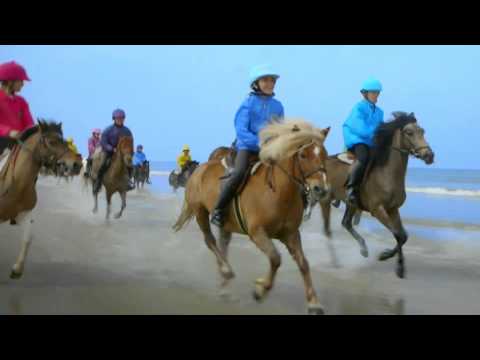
(180, 180)
(271, 204)
(382, 192)
(116, 177)
(39, 145)
(140, 173)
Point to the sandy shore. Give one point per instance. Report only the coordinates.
(78, 264)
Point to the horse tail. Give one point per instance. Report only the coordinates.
(184, 218)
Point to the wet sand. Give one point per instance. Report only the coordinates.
(78, 264)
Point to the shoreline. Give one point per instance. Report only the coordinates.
(136, 265)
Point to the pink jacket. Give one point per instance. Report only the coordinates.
(93, 143)
(14, 114)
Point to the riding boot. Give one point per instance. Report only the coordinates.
(97, 185)
(130, 184)
(353, 182)
(218, 214)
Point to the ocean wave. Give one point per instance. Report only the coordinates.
(444, 191)
(160, 173)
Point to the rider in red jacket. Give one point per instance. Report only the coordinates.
(15, 115)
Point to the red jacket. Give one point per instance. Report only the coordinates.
(14, 114)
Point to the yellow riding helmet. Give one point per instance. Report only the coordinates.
(70, 140)
(185, 148)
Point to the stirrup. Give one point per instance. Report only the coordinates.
(217, 217)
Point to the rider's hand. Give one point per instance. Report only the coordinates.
(14, 134)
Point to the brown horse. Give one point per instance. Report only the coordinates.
(116, 177)
(382, 192)
(271, 204)
(219, 153)
(39, 145)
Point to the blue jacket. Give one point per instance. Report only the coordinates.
(360, 126)
(111, 135)
(254, 114)
(139, 158)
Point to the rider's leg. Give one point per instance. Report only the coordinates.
(105, 157)
(231, 186)
(355, 178)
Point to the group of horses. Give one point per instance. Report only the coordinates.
(293, 173)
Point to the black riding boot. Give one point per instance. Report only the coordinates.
(353, 183)
(218, 214)
(130, 185)
(228, 192)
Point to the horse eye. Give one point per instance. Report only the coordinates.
(303, 156)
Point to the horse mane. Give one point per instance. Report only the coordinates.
(280, 140)
(384, 136)
(46, 126)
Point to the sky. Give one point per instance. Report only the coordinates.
(176, 95)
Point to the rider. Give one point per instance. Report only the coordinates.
(109, 142)
(358, 133)
(93, 144)
(184, 159)
(71, 145)
(253, 115)
(15, 115)
(139, 158)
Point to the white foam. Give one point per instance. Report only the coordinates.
(444, 191)
(160, 173)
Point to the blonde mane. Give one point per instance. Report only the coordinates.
(281, 140)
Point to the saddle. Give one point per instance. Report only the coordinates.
(345, 157)
(228, 163)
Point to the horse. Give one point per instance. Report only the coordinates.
(39, 145)
(219, 153)
(382, 191)
(180, 180)
(271, 204)
(140, 174)
(116, 177)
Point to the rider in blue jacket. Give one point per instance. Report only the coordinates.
(358, 132)
(253, 115)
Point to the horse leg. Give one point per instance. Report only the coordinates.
(325, 206)
(223, 266)
(123, 195)
(224, 242)
(109, 204)
(26, 221)
(294, 246)
(265, 284)
(311, 205)
(357, 217)
(347, 224)
(393, 222)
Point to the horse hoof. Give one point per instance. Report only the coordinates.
(328, 234)
(315, 309)
(385, 255)
(364, 252)
(260, 292)
(118, 216)
(14, 275)
(400, 272)
(227, 273)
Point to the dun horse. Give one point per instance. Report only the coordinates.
(382, 192)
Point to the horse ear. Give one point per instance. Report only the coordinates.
(412, 115)
(325, 131)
